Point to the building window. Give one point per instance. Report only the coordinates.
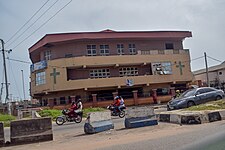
(47, 55)
(162, 68)
(40, 78)
(91, 50)
(169, 46)
(220, 73)
(128, 71)
(99, 73)
(104, 50)
(120, 49)
(132, 49)
(62, 100)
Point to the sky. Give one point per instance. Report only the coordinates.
(204, 18)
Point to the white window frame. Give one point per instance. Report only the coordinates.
(40, 78)
(47, 55)
(128, 71)
(104, 49)
(162, 68)
(132, 49)
(92, 50)
(120, 49)
(99, 73)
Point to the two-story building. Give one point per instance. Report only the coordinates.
(100, 65)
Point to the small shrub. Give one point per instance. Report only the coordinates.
(53, 113)
(6, 119)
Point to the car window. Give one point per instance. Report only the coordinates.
(200, 91)
(209, 90)
(188, 93)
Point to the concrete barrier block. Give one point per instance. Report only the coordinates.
(164, 117)
(214, 116)
(30, 131)
(2, 138)
(98, 122)
(137, 117)
(175, 118)
(140, 122)
(135, 112)
(222, 114)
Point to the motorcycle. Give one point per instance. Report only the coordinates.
(116, 112)
(76, 117)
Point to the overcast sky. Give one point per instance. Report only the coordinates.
(204, 18)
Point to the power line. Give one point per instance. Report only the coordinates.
(27, 22)
(14, 78)
(26, 62)
(215, 59)
(43, 24)
(34, 22)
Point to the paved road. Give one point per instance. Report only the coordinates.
(210, 136)
(165, 136)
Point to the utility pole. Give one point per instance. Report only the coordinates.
(6, 81)
(23, 85)
(206, 68)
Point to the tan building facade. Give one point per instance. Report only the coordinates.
(100, 65)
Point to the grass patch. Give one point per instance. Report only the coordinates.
(214, 105)
(53, 113)
(94, 109)
(6, 119)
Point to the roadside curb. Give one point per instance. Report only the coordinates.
(192, 117)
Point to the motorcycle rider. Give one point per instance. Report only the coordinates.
(119, 103)
(79, 105)
(72, 109)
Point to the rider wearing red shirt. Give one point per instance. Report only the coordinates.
(72, 109)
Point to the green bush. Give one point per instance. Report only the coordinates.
(6, 119)
(53, 113)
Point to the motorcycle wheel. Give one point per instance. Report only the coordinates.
(60, 121)
(78, 119)
(122, 114)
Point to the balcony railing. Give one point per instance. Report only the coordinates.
(163, 52)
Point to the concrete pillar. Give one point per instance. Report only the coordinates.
(25, 104)
(135, 97)
(94, 98)
(154, 96)
(58, 101)
(51, 102)
(172, 91)
(13, 109)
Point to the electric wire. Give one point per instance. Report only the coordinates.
(27, 22)
(33, 22)
(43, 24)
(14, 79)
(215, 59)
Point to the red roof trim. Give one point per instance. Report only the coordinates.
(107, 34)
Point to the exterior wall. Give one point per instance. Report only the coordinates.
(74, 74)
(98, 61)
(78, 48)
(212, 76)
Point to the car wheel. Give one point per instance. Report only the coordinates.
(218, 97)
(189, 104)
